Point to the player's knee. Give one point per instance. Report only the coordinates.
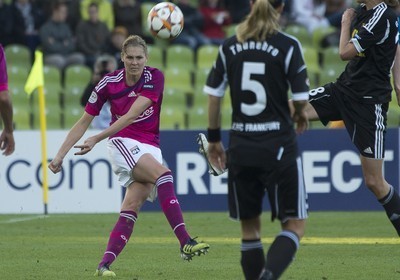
(376, 185)
(371, 182)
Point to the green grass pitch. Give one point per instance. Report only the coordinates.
(337, 245)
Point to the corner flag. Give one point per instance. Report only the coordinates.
(35, 78)
(36, 81)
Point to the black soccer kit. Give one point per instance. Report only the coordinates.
(360, 96)
(262, 146)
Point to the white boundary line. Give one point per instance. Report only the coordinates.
(18, 220)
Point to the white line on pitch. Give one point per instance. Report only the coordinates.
(18, 220)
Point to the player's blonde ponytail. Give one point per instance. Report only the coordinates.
(262, 22)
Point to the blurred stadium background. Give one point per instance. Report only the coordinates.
(185, 69)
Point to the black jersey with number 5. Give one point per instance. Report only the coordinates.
(259, 75)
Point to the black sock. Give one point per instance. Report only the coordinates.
(252, 260)
(391, 203)
(281, 252)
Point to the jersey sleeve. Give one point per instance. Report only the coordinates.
(153, 86)
(97, 99)
(297, 72)
(3, 71)
(217, 80)
(371, 33)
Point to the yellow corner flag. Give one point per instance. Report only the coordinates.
(35, 78)
(36, 81)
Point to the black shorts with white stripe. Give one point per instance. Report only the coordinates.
(365, 122)
(284, 185)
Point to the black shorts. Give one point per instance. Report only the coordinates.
(365, 123)
(283, 183)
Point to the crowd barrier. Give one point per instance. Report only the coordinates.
(87, 184)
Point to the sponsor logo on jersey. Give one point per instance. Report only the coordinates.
(256, 127)
(93, 97)
(132, 94)
(148, 86)
(145, 115)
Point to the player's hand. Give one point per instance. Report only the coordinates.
(55, 164)
(301, 121)
(216, 155)
(87, 146)
(348, 16)
(7, 143)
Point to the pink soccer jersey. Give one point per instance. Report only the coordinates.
(113, 88)
(3, 70)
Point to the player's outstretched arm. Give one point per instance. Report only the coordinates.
(73, 136)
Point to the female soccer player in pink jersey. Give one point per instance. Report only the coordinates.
(135, 94)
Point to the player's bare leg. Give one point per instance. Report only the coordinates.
(385, 193)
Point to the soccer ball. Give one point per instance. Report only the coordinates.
(165, 20)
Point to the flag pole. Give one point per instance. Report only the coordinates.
(36, 81)
(42, 114)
